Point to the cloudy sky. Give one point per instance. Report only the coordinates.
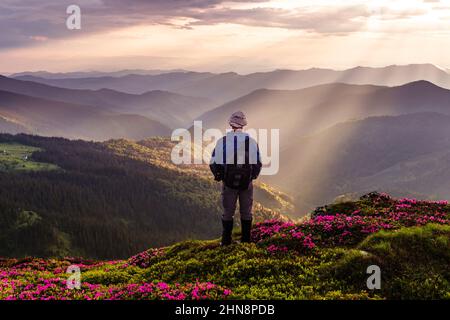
(216, 35)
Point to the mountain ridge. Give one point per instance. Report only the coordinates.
(303, 108)
(54, 118)
(339, 160)
(162, 106)
(223, 87)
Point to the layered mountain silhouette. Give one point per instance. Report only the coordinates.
(170, 109)
(306, 111)
(227, 86)
(348, 131)
(316, 165)
(130, 83)
(405, 155)
(90, 74)
(55, 118)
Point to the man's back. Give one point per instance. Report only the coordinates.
(236, 161)
(236, 147)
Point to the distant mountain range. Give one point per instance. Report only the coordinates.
(302, 112)
(61, 119)
(407, 155)
(320, 160)
(130, 83)
(340, 131)
(168, 109)
(224, 87)
(89, 74)
(191, 93)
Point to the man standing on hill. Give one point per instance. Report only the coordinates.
(236, 161)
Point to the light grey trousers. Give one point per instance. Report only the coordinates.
(229, 200)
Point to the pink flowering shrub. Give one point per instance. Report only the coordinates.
(17, 288)
(40, 279)
(348, 224)
(164, 291)
(143, 259)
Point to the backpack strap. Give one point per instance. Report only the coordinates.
(247, 149)
(235, 160)
(224, 151)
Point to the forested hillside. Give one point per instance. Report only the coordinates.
(109, 200)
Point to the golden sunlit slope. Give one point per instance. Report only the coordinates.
(316, 167)
(406, 155)
(301, 112)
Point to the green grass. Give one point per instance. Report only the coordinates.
(16, 157)
(414, 262)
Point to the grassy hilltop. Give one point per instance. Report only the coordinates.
(324, 257)
(15, 157)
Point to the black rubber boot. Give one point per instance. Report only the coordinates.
(246, 229)
(226, 233)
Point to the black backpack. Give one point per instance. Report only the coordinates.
(238, 176)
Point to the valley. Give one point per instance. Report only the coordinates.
(108, 200)
(319, 159)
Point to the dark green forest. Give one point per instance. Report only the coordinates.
(108, 200)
